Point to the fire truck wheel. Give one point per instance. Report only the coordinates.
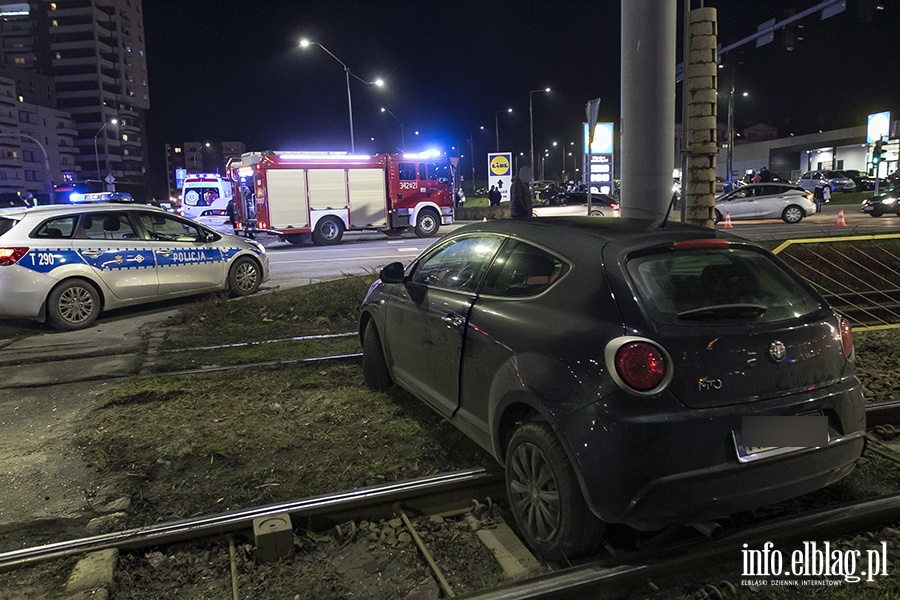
(243, 278)
(375, 371)
(427, 222)
(328, 231)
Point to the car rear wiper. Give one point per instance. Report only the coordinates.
(724, 311)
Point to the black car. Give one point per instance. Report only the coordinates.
(12, 200)
(610, 365)
(882, 204)
(864, 181)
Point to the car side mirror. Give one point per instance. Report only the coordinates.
(392, 273)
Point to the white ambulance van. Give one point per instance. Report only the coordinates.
(205, 195)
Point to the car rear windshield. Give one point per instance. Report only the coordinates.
(6, 224)
(696, 286)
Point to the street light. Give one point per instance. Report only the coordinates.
(531, 118)
(402, 142)
(105, 149)
(497, 124)
(304, 43)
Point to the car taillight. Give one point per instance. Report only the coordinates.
(846, 337)
(641, 366)
(10, 256)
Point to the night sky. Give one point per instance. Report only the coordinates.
(234, 71)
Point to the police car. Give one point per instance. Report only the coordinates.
(65, 263)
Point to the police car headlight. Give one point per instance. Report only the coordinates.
(258, 246)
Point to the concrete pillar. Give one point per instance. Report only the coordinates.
(701, 72)
(648, 106)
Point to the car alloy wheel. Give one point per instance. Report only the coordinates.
(243, 278)
(73, 305)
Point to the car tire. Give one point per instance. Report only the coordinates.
(876, 214)
(375, 370)
(244, 277)
(328, 231)
(792, 214)
(718, 217)
(545, 498)
(427, 222)
(73, 304)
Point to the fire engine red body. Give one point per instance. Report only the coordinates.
(319, 196)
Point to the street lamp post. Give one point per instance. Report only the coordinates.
(105, 148)
(531, 118)
(402, 140)
(305, 44)
(497, 125)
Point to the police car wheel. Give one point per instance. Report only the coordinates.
(243, 278)
(73, 304)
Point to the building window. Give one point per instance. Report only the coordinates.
(54, 23)
(19, 60)
(124, 137)
(53, 6)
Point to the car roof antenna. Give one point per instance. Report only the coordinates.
(668, 212)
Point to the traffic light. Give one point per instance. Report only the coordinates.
(876, 153)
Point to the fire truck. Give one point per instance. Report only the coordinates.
(317, 196)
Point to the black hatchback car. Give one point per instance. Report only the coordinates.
(610, 365)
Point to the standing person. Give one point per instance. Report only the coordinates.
(520, 194)
(765, 176)
(819, 196)
(494, 196)
(229, 210)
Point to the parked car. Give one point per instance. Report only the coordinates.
(838, 181)
(609, 365)
(67, 263)
(785, 201)
(575, 204)
(544, 190)
(863, 181)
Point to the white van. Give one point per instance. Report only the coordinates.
(205, 195)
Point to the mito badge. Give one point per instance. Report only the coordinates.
(500, 173)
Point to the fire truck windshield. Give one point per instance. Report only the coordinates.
(439, 172)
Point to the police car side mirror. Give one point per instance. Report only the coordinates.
(392, 273)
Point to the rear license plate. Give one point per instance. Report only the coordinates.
(746, 454)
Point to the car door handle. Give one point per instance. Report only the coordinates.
(92, 253)
(166, 253)
(453, 320)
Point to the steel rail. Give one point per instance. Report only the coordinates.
(436, 493)
(591, 580)
(883, 413)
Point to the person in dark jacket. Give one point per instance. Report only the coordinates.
(494, 196)
(520, 194)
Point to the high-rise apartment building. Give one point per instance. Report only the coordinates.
(94, 52)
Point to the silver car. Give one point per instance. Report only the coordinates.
(65, 264)
(838, 181)
(766, 201)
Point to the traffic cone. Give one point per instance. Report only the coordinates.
(484, 219)
(727, 224)
(840, 221)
